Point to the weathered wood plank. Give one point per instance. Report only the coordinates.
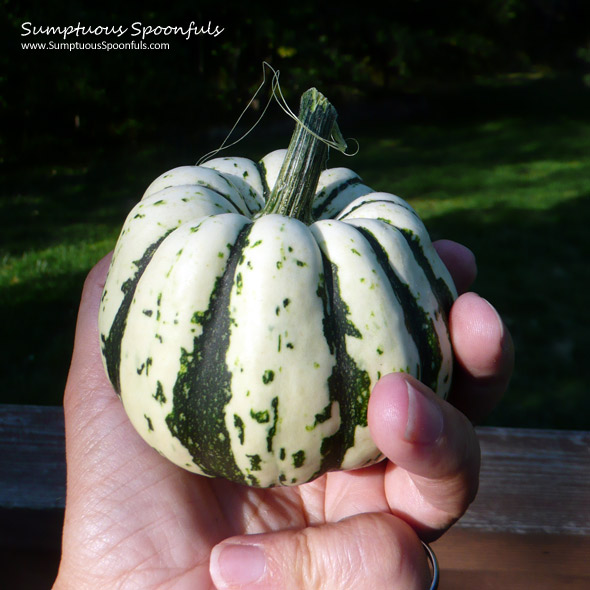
(532, 481)
(528, 528)
(32, 457)
(475, 559)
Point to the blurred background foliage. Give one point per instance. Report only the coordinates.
(474, 110)
(409, 46)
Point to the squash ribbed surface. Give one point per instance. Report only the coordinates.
(246, 346)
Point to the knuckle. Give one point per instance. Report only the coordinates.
(361, 552)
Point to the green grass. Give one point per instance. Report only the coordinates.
(513, 185)
(518, 196)
(57, 220)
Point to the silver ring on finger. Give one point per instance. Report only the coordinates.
(433, 562)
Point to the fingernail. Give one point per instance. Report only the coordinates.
(498, 318)
(425, 418)
(239, 565)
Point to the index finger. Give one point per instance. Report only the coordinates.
(460, 261)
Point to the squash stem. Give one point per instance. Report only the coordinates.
(294, 191)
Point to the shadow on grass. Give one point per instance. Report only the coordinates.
(66, 202)
(40, 334)
(534, 268)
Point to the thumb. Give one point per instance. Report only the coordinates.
(364, 552)
(433, 451)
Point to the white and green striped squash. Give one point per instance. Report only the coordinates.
(244, 341)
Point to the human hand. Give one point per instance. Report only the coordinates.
(135, 520)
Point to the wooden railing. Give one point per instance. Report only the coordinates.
(528, 528)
